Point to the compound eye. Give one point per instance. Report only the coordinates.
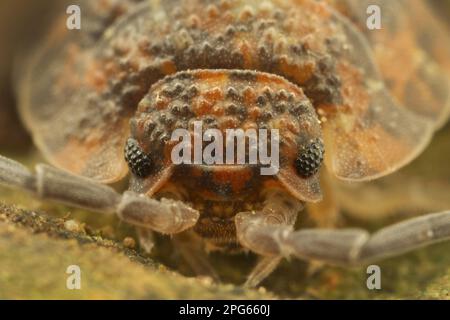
(310, 159)
(139, 162)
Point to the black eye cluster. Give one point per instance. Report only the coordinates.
(310, 159)
(139, 162)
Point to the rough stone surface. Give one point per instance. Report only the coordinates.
(35, 251)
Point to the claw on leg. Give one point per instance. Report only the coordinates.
(146, 239)
(264, 268)
(193, 252)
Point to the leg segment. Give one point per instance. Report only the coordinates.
(192, 249)
(146, 239)
(262, 270)
(164, 216)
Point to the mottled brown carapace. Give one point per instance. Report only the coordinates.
(141, 69)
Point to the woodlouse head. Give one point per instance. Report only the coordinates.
(226, 101)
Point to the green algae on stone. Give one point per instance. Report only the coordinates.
(438, 289)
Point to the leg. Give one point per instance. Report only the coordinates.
(340, 247)
(263, 269)
(146, 240)
(164, 216)
(279, 209)
(193, 252)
